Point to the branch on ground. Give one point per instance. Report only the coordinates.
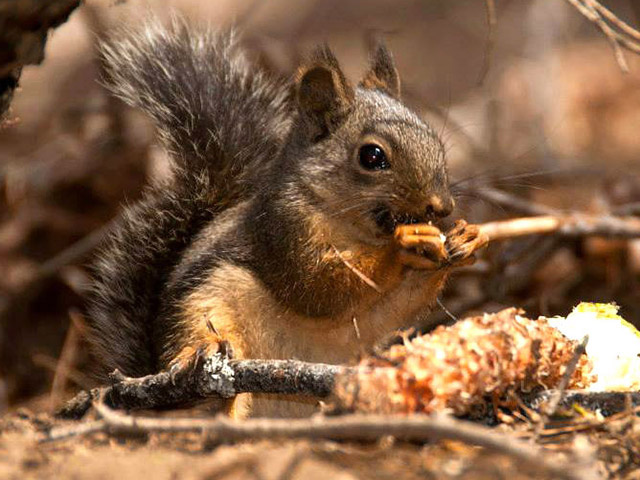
(356, 427)
(205, 378)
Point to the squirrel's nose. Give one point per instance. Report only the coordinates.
(439, 206)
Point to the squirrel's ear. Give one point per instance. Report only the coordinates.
(382, 74)
(323, 93)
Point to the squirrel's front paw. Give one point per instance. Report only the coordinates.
(422, 246)
(462, 242)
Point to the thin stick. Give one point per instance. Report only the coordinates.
(609, 15)
(513, 202)
(73, 252)
(554, 401)
(66, 360)
(565, 225)
(75, 430)
(492, 21)
(620, 36)
(51, 363)
(206, 378)
(354, 427)
(614, 36)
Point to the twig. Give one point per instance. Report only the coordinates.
(571, 225)
(51, 363)
(620, 36)
(213, 377)
(75, 430)
(206, 378)
(582, 425)
(114, 107)
(609, 15)
(513, 202)
(66, 360)
(354, 427)
(554, 399)
(492, 21)
(73, 252)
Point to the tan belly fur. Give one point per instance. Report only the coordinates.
(256, 326)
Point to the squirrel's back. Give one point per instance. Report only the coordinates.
(222, 122)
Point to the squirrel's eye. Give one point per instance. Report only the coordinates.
(372, 157)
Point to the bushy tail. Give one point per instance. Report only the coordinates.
(222, 123)
(213, 109)
(131, 269)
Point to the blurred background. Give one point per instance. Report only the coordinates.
(534, 108)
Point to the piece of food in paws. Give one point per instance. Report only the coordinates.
(424, 239)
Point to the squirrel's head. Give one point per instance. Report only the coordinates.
(366, 158)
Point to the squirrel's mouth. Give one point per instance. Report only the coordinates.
(388, 220)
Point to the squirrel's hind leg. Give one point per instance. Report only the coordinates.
(205, 342)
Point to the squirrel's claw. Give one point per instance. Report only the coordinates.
(463, 240)
(424, 246)
(191, 355)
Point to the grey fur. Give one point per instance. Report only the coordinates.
(213, 110)
(251, 164)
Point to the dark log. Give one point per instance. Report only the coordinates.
(24, 25)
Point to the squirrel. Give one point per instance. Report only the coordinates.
(278, 229)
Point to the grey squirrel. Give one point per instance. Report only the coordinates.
(289, 215)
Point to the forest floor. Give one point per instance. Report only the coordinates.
(533, 135)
